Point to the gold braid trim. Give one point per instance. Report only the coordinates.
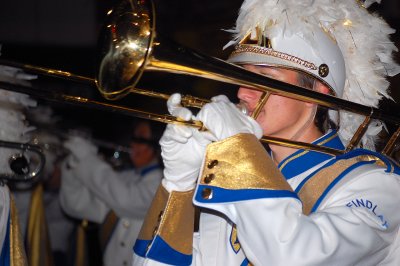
(246, 48)
(241, 162)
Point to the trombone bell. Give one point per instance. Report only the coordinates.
(127, 40)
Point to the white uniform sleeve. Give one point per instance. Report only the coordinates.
(77, 201)
(129, 196)
(355, 225)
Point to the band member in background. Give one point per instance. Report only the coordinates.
(13, 128)
(47, 231)
(91, 189)
(289, 206)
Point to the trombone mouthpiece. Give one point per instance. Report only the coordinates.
(242, 108)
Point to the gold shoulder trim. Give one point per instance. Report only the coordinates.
(241, 162)
(316, 185)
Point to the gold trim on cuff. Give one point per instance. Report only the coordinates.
(171, 216)
(152, 218)
(177, 223)
(241, 162)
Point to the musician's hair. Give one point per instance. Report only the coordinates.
(321, 120)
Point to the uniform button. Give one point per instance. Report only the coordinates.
(122, 244)
(160, 216)
(206, 193)
(126, 223)
(209, 178)
(212, 164)
(125, 262)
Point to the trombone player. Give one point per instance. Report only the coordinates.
(287, 206)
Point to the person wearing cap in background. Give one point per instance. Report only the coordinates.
(91, 189)
(287, 206)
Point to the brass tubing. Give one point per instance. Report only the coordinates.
(169, 119)
(171, 58)
(193, 123)
(85, 102)
(388, 150)
(82, 101)
(48, 72)
(358, 134)
(186, 100)
(300, 145)
(263, 100)
(280, 88)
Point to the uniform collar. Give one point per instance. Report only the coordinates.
(153, 165)
(303, 160)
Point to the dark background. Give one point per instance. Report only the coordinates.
(63, 35)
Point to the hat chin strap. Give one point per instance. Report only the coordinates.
(301, 131)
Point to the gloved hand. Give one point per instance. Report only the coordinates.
(182, 150)
(80, 149)
(223, 120)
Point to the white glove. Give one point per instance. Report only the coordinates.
(182, 150)
(80, 149)
(223, 120)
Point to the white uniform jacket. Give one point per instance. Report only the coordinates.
(316, 210)
(91, 189)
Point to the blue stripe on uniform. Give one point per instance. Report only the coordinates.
(5, 251)
(303, 160)
(140, 247)
(220, 195)
(162, 252)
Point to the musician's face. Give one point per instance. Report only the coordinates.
(281, 116)
(141, 153)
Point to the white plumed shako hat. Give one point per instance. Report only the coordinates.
(336, 41)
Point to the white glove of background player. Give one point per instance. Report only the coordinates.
(182, 150)
(80, 149)
(223, 120)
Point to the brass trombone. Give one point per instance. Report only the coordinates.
(130, 47)
(187, 101)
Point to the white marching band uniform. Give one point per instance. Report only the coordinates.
(354, 221)
(91, 189)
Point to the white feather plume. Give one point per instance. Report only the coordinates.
(13, 126)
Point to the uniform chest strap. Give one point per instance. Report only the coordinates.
(314, 186)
